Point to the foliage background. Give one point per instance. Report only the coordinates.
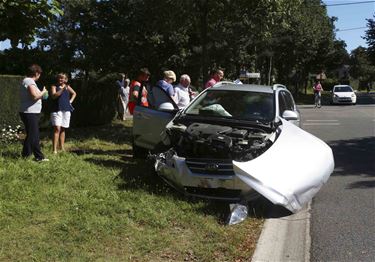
(9, 100)
(95, 103)
(286, 41)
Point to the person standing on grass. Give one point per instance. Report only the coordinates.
(30, 108)
(138, 92)
(63, 96)
(123, 96)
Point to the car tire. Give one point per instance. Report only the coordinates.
(139, 152)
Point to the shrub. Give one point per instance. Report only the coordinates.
(95, 103)
(329, 83)
(9, 134)
(9, 100)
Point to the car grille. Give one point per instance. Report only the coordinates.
(210, 166)
(219, 193)
(345, 99)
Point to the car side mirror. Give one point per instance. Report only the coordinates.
(290, 115)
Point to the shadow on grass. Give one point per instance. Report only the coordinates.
(117, 132)
(85, 151)
(8, 154)
(139, 174)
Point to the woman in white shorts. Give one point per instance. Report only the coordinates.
(63, 96)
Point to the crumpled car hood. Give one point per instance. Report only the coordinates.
(291, 171)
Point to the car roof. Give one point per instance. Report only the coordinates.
(341, 85)
(243, 87)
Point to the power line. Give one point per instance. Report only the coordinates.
(352, 3)
(350, 29)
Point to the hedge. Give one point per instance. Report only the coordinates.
(9, 100)
(95, 103)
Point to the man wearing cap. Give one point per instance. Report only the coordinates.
(137, 86)
(166, 85)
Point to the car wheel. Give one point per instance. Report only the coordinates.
(139, 152)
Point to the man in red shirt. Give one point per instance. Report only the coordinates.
(137, 88)
(217, 76)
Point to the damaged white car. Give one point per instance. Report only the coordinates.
(234, 142)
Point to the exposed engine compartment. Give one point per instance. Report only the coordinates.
(200, 140)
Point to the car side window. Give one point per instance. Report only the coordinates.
(282, 104)
(289, 102)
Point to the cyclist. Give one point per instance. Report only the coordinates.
(318, 93)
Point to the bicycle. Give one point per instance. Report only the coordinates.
(318, 99)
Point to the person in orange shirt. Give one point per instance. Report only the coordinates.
(138, 91)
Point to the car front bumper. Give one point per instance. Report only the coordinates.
(344, 100)
(220, 185)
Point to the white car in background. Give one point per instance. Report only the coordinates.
(343, 94)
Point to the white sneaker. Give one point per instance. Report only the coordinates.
(42, 160)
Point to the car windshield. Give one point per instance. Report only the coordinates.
(343, 89)
(240, 105)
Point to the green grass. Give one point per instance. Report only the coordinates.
(95, 202)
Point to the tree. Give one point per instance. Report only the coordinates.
(370, 39)
(21, 19)
(278, 37)
(361, 67)
(303, 44)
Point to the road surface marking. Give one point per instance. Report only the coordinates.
(321, 124)
(322, 120)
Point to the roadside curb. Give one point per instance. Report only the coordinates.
(285, 239)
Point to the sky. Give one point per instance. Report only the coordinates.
(349, 17)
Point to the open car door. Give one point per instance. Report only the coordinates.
(150, 122)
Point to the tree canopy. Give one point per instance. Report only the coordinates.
(287, 39)
(21, 19)
(370, 39)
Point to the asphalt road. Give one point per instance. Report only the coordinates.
(343, 212)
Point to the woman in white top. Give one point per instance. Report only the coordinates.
(30, 108)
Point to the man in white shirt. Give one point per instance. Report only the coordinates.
(182, 91)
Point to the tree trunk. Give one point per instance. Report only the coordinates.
(204, 38)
